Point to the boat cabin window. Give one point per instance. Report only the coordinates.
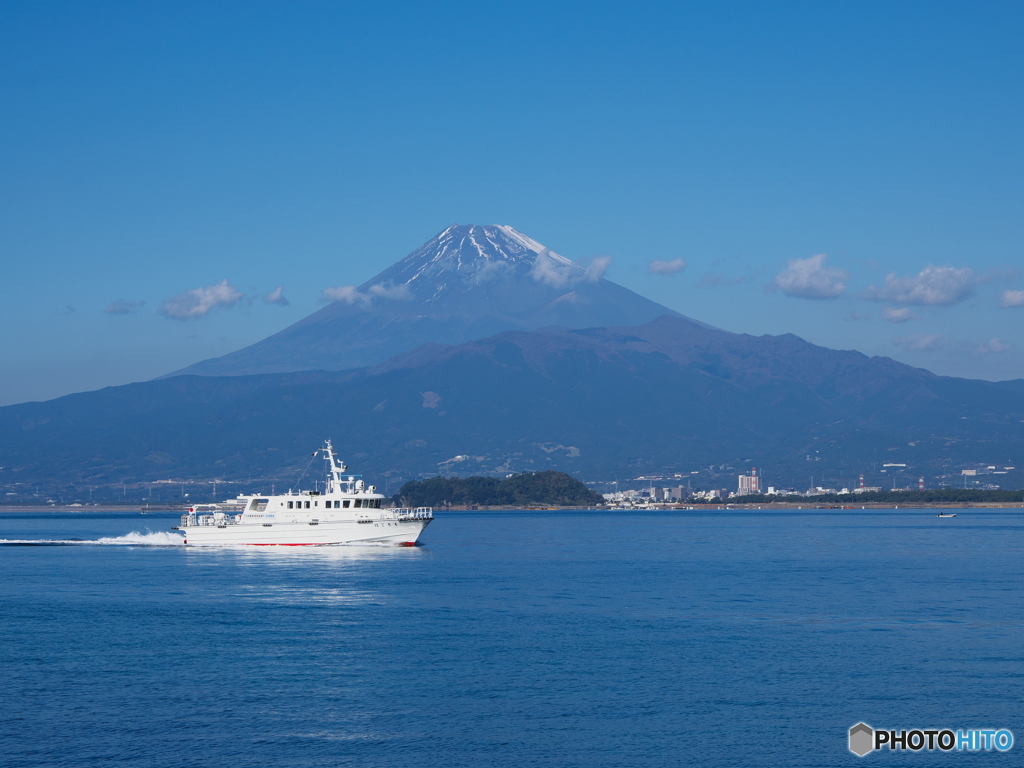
(359, 503)
(258, 505)
(307, 505)
(347, 503)
(291, 504)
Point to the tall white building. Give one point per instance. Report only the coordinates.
(749, 484)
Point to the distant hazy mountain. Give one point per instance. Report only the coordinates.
(467, 283)
(671, 395)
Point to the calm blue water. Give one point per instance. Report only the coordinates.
(514, 639)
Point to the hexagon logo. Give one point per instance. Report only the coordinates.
(862, 739)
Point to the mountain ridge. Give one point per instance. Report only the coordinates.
(667, 396)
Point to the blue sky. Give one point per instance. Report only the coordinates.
(848, 172)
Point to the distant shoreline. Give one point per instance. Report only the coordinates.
(766, 507)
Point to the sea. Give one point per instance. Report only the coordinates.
(519, 638)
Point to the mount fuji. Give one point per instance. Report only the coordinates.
(484, 352)
(467, 283)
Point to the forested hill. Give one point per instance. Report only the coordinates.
(547, 488)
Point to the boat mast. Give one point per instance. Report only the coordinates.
(334, 486)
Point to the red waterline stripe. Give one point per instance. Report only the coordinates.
(317, 544)
(271, 544)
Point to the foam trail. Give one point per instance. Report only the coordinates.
(157, 539)
(133, 539)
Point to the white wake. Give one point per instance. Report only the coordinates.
(133, 539)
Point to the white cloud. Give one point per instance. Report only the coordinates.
(200, 301)
(897, 315)
(349, 294)
(932, 286)
(659, 267)
(122, 307)
(993, 346)
(920, 342)
(396, 292)
(555, 271)
(595, 270)
(276, 296)
(559, 272)
(1012, 298)
(810, 279)
(491, 269)
(345, 294)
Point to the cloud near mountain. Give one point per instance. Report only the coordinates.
(993, 346)
(810, 279)
(931, 286)
(350, 294)
(920, 342)
(559, 272)
(276, 296)
(1012, 298)
(669, 267)
(199, 301)
(897, 314)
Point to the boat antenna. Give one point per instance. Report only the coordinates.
(299, 480)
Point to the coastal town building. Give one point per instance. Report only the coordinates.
(749, 484)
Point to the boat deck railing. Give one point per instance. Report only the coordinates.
(414, 513)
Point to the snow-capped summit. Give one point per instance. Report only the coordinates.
(465, 257)
(468, 282)
(469, 250)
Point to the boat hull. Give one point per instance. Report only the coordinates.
(297, 534)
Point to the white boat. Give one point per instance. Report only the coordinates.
(947, 515)
(346, 512)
